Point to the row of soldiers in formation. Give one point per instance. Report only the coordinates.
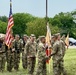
(32, 49)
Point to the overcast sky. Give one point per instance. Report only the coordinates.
(37, 7)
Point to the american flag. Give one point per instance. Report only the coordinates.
(9, 36)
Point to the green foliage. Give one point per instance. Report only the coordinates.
(54, 29)
(65, 24)
(26, 23)
(3, 18)
(20, 20)
(3, 26)
(37, 27)
(73, 12)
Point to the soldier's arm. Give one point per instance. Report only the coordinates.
(63, 48)
(2, 49)
(13, 46)
(42, 53)
(26, 48)
(55, 50)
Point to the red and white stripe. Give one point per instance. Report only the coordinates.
(9, 37)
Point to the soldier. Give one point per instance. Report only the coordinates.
(2, 54)
(24, 57)
(30, 51)
(17, 46)
(63, 48)
(57, 54)
(41, 66)
(10, 58)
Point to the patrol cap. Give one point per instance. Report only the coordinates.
(58, 34)
(24, 35)
(27, 37)
(55, 35)
(41, 37)
(32, 35)
(17, 35)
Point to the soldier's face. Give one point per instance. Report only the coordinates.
(43, 40)
(59, 37)
(32, 38)
(17, 38)
(53, 39)
(1, 40)
(25, 38)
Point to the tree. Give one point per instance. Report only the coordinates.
(64, 21)
(37, 27)
(3, 27)
(3, 18)
(20, 20)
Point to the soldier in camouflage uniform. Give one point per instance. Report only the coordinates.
(41, 66)
(57, 54)
(2, 55)
(62, 45)
(24, 57)
(10, 58)
(17, 46)
(30, 51)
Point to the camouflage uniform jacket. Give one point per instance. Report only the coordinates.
(42, 52)
(2, 49)
(62, 45)
(17, 45)
(2, 53)
(57, 52)
(30, 49)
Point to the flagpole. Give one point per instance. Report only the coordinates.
(46, 25)
(11, 6)
(46, 11)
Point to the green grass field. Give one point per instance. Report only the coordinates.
(70, 65)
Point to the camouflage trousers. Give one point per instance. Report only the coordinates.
(58, 67)
(10, 61)
(2, 62)
(41, 68)
(16, 60)
(31, 65)
(24, 60)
